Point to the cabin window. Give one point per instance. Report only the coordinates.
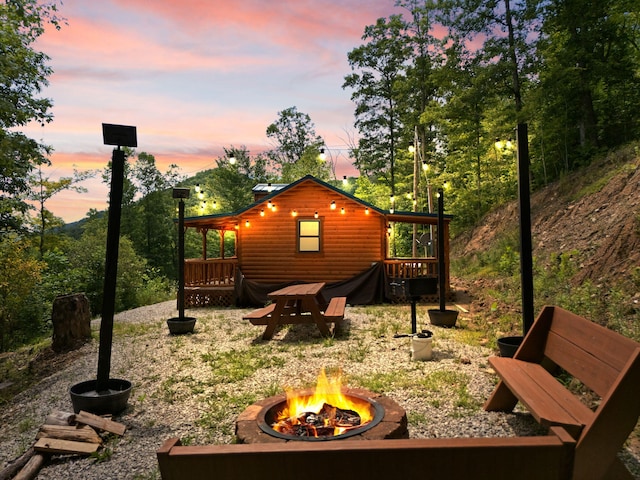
(309, 235)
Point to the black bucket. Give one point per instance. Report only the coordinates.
(114, 400)
(509, 345)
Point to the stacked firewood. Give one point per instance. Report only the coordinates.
(62, 434)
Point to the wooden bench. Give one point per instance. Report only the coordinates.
(525, 458)
(335, 309)
(261, 315)
(604, 361)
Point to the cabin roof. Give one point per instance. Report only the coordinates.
(228, 221)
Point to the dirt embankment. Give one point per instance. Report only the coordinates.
(594, 212)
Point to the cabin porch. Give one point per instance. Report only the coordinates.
(219, 281)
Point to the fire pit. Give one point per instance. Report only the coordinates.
(328, 412)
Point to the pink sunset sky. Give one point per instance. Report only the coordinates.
(195, 76)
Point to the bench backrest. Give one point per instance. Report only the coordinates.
(591, 353)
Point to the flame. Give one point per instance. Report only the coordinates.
(328, 391)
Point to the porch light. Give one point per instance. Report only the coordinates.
(388, 229)
(247, 224)
(366, 210)
(315, 215)
(294, 213)
(342, 210)
(262, 212)
(273, 207)
(333, 204)
(269, 205)
(237, 227)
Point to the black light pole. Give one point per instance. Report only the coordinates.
(524, 204)
(121, 136)
(441, 266)
(181, 193)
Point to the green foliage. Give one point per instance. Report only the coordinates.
(19, 274)
(23, 75)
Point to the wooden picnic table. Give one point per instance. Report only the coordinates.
(295, 304)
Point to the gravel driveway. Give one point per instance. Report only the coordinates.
(194, 386)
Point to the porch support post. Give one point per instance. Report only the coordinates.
(204, 243)
(222, 232)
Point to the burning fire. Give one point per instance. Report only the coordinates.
(335, 411)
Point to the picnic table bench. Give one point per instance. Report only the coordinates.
(604, 361)
(295, 304)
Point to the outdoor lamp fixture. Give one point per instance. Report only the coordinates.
(294, 213)
(273, 207)
(247, 224)
(237, 227)
(215, 204)
(315, 215)
(269, 205)
(197, 189)
(392, 201)
(344, 180)
(342, 211)
(366, 210)
(322, 155)
(269, 188)
(333, 204)
(200, 193)
(232, 160)
(262, 212)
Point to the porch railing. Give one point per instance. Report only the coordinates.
(214, 271)
(411, 267)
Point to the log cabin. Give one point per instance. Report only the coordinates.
(308, 231)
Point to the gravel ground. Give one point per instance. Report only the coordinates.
(194, 386)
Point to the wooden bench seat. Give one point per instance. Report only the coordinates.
(604, 361)
(261, 315)
(335, 309)
(525, 458)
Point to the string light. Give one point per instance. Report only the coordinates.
(247, 224)
(294, 213)
(262, 212)
(232, 160)
(342, 211)
(315, 215)
(322, 155)
(344, 180)
(333, 204)
(366, 210)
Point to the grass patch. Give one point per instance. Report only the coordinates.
(235, 365)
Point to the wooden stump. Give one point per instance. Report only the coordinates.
(71, 319)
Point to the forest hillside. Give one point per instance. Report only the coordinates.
(593, 214)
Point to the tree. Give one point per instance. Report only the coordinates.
(149, 219)
(378, 66)
(43, 189)
(23, 75)
(293, 133)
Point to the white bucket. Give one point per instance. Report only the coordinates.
(421, 348)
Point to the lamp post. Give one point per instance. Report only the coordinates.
(181, 324)
(107, 395)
